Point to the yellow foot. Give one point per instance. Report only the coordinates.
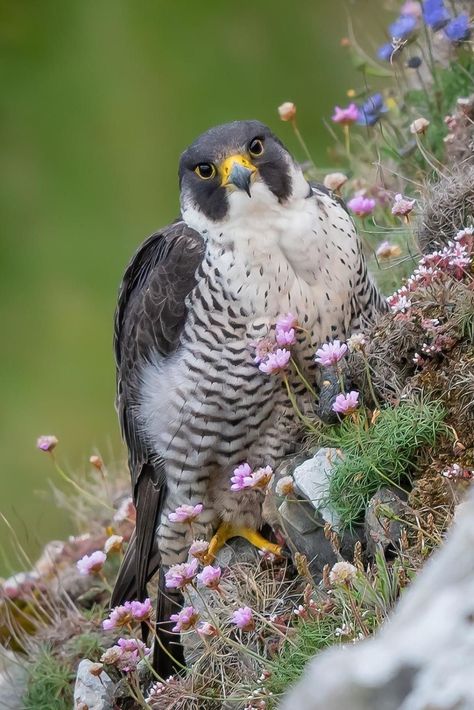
(226, 531)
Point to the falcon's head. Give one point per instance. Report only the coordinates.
(235, 170)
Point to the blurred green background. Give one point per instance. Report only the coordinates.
(98, 99)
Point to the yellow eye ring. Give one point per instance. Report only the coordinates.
(206, 171)
(256, 148)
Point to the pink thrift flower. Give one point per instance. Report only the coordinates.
(46, 443)
(285, 337)
(241, 473)
(244, 477)
(286, 321)
(199, 549)
(141, 610)
(275, 362)
(361, 206)
(243, 619)
(402, 207)
(126, 654)
(91, 564)
(346, 403)
(185, 513)
(185, 620)
(126, 511)
(263, 347)
(118, 617)
(210, 576)
(179, 576)
(331, 353)
(346, 116)
(207, 629)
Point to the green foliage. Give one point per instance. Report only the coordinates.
(311, 637)
(88, 645)
(50, 683)
(378, 454)
(358, 609)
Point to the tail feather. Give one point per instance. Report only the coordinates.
(168, 654)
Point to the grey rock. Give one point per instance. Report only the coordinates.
(423, 658)
(304, 515)
(381, 529)
(13, 680)
(93, 692)
(312, 479)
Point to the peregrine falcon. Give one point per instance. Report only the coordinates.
(254, 240)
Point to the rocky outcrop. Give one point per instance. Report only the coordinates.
(423, 658)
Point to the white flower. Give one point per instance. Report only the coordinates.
(342, 573)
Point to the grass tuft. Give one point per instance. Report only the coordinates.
(378, 454)
(50, 684)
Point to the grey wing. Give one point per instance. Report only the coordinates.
(149, 319)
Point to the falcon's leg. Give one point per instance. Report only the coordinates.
(226, 531)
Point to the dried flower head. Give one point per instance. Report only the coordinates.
(199, 549)
(96, 461)
(47, 442)
(126, 654)
(419, 126)
(342, 573)
(113, 543)
(357, 342)
(334, 181)
(386, 250)
(287, 111)
(207, 629)
(285, 486)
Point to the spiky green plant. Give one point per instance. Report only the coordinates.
(378, 454)
(50, 684)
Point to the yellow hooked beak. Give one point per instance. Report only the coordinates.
(237, 170)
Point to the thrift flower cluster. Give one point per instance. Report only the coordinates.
(273, 356)
(126, 654)
(244, 477)
(329, 355)
(452, 261)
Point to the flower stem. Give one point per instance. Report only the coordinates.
(302, 142)
(303, 379)
(79, 488)
(294, 403)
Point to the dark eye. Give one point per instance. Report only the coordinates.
(206, 171)
(256, 147)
